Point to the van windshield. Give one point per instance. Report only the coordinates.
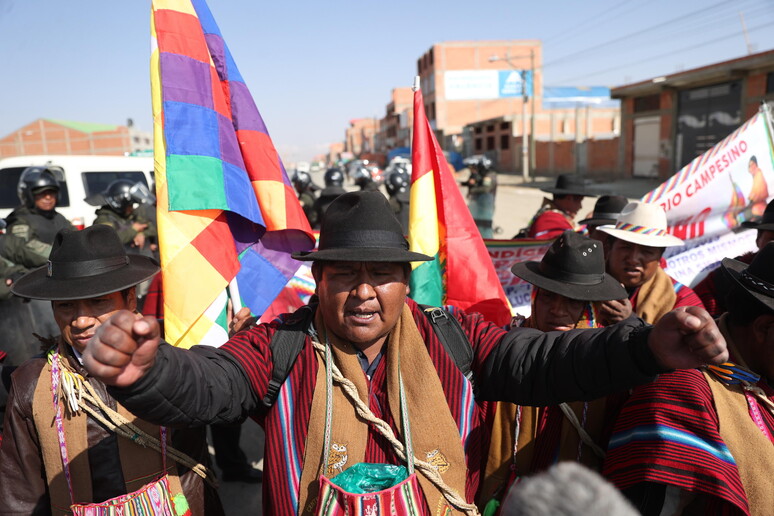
(9, 179)
(97, 182)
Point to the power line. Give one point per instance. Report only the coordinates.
(667, 54)
(638, 33)
(596, 18)
(689, 29)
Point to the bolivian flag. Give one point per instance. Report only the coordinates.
(440, 225)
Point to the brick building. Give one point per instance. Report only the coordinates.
(669, 120)
(461, 85)
(46, 136)
(335, 151)
(475, 102)
(395, 127)
(582, 139)
(360, 136)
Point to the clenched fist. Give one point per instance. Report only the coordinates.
(123, 349)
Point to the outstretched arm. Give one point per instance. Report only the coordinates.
(163, 384)
(529, 367)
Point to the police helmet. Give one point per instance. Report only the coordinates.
(118, 194)
(301, 180)
(34, 180)
(398, 181)
(362, 177)
(334, 177)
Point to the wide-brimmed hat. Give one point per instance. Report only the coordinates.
(765, 222)
(85, 264)
(757, 279)
(644, 224)
(569, 184)
(574, 266)
(606, 210)
(361, 227)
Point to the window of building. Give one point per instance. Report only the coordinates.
(419, 66)
(505, 126)
(770, 82)
(477, 144)
(490, 128)
(490, 140)
(431, 57)
(505, 141)
(647, 103)
(477, 129)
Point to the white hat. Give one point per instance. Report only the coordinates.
(644, 224)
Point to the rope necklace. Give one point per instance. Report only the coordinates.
(430, 472)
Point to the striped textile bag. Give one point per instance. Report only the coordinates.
(152, 499)
(401, 499)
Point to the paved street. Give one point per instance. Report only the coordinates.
(240, 498)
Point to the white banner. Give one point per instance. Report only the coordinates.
(727, 185)
(690, 265)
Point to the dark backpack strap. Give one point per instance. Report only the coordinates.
(453, 338)
(286, 344)
(288, 341)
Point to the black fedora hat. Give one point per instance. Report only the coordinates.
(606, 210)
(766, 221)
(757, 279)
(361, 227)
(85, 264)
(569, 184)
(574, 266)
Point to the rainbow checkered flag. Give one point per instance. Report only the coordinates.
(226, 209)
(440, 225)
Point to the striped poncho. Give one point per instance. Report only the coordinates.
(668, 433)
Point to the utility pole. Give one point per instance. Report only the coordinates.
(744, 31)
(533, 159)
(525, 144)
(524, 138)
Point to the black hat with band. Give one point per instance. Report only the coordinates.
(574, 266)
(85, 264)
(606, 210)
(361, 227)
(757, 279)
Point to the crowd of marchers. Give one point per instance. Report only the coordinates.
(660, 396)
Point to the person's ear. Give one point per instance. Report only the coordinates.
(131, 299)
(316, 274)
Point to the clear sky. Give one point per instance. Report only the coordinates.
(314, 65)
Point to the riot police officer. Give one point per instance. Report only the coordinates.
(302, 182)
(482, 187)
(398, 187)
(36, 221)
(334, 181)
(362, 177)
(117, 210)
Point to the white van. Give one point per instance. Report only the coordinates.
(81, 176)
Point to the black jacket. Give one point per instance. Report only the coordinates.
(528, 367)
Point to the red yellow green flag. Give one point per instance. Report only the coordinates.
(440, 225)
